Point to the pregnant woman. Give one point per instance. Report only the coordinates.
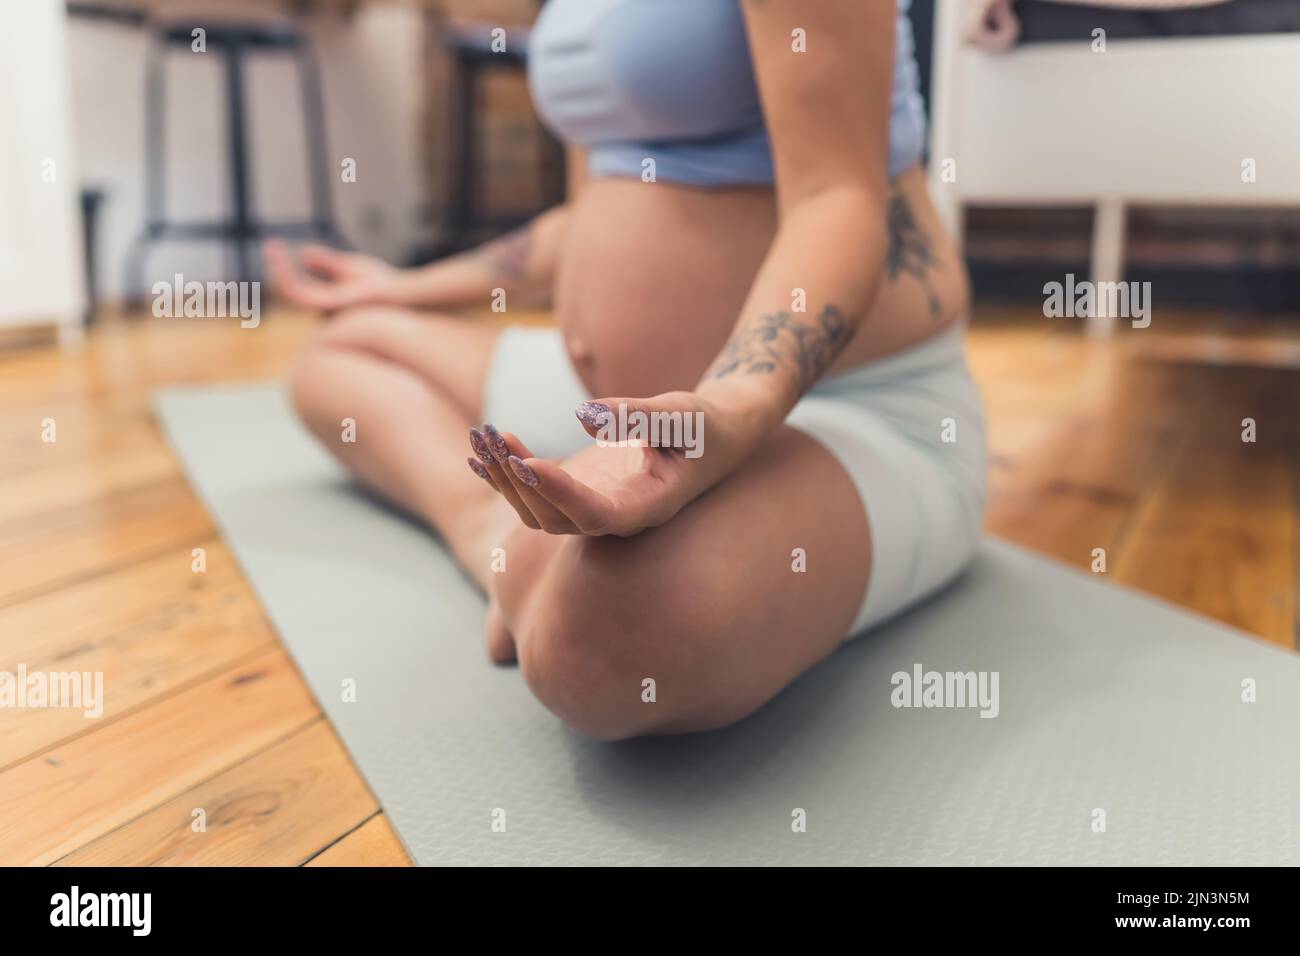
(749, 243)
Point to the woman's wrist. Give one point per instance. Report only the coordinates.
(744, 411)
(521, 263)
(454, 282)
(402, 288)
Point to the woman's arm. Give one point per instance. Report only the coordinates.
(521, 263)
(828, 112)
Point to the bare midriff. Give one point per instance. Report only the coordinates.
(652, 279)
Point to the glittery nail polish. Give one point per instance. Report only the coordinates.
(523, 472)
(478, 469)
(480, 446)
(594, 415)
(500, 451)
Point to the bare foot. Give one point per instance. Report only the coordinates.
(500, 643)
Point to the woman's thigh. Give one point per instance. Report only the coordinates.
(452, 353)
(721, 607)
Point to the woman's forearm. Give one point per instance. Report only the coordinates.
(810, 295)
(522, 263)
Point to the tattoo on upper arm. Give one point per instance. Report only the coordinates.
(508, 256)
(909, 249)
(782, 340)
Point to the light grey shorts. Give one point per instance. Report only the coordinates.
(908, 429)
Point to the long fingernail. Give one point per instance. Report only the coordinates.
(495, 442)
(480, 446)
(523, 472)
(594, 414)
(478, 469)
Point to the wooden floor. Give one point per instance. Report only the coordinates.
(1133, 446)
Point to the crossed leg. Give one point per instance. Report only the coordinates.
(412, 384)
(710, 607)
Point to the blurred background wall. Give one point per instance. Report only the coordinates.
(372, 73)
(389, 97)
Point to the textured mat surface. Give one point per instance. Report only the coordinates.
(1108, 702)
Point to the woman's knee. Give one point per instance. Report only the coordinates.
(313, 376)
(601, 643)
(359, 325)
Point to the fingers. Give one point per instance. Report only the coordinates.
(500, 456)
(289, 282)
(608, 419)
(477, 467)
(280, 265)
(552, 519)
(544, 495)
(601, 418)
(597, 418)
(323, 260)
(524, 480)
(485, 465)
(327, 295)
(588, 510)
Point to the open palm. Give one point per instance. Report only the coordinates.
(637, 481)
(605, 489)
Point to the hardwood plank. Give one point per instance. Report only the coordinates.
(42, 551)
(64, 485)
(1214, 535)
(373, 844)
(277, 808)
(149, 629)
(1078, 488)
(59, 801)
(83, 437)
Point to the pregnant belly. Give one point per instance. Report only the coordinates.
(652, 278)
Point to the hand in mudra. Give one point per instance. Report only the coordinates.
(610, 488)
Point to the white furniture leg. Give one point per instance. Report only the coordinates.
(1107, 260)
(945, 168)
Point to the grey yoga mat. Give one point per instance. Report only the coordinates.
(1121, 734)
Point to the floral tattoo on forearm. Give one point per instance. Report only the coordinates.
(783, 341)
(807, 345)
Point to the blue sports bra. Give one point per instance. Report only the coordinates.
(672, 81)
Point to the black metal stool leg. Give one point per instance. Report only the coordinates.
(244, 230)
(133, 271)
(554, 173)
(462, 180)
(320, 164)
(154, 172)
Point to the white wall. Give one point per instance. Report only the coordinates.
(372, 74)
(40, 247)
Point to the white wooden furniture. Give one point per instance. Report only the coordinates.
(40, 244)
(1167, 121)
